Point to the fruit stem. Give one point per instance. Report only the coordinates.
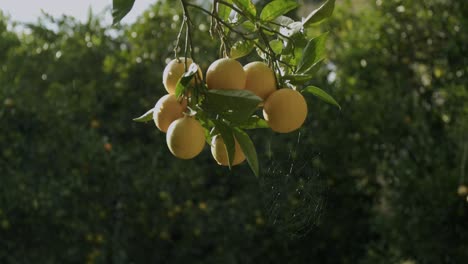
(179, 35)
(272, 57)
(187, 21)
(242, 35)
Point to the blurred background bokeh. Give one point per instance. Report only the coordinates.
(378, 182)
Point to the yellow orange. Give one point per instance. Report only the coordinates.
(185, 137)
(225, 74)
(260, 79)
(285, 110)
(219, 152)
(174, 71)
(166, 110)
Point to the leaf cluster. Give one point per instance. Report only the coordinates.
(279, 40)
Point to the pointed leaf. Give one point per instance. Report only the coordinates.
(297, 78)
(241, 48)
(184, 82)
(324, 96)
(246, 6)
(148, 116)
(313, 70)
(277, 8)
(313, 52)
(276, 45)
(292, 29)
(283, 20)
(247, 27)
(120, 9)
(248, 148)
(319, 14)
(224, 11)
(235, 106)
(228, 138)
(254, 122)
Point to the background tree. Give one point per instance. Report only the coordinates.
(373, 183)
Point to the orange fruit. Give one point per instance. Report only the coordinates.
(219, 152)
(166, 110)
(174, 71)
(225, 74)
(260, 79)
(185, 137)
(285, 110)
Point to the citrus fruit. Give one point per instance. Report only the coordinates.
(219, 152)
(185, 137)
(225, 74)
(166, 110)
(174, 71)
(260, 79)
(285, 110)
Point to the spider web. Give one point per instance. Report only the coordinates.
(293, 191)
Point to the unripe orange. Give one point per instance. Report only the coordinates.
(225, 74)
(185, 137)
(219, 152)
(285, 110)
(166, 110)
(260, 79)
(174, 71)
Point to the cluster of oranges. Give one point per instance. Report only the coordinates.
(284, 109)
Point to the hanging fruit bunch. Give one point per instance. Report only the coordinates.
(218, 106)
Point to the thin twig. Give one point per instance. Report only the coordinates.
(231, 6)
(179, 35)
(242, 35)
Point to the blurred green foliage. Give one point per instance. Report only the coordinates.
(373, 183)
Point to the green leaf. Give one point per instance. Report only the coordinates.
(148, 116)
(297, 78)
(319, 14)
(246, 6)
(324, 96)
(254, 122)
(247, 27)
(120, 8)
(293, 49)
(277, 8)
(241, 48)
(292, 29)
(204, 119)
(313, 70)
(248, 148)
(224, 11)
(283, 20)
(206, 123)
(261, 54)
(312, 53)
(228, 138)
(184, 81)
(276, 45)
(235, 106)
